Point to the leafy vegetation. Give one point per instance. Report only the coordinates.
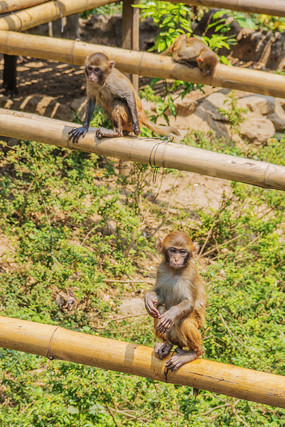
(73, 223)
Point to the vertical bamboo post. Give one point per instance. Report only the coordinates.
(10, 73)
(130, 31)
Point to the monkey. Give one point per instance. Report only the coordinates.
(120, 102)
(192, 51)
(178, 301)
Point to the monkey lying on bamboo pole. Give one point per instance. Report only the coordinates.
(192, 51)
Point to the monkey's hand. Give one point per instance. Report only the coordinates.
(136, 128)
(76, 133)
(167, 320)
(150, 300)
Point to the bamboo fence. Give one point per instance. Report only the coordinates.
(49, 11)
(143, 150)
(56, 342)
(273, 7)
(141, 63)
(11, 5)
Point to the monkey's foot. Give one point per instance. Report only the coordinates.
(163, 349)
(181, 358)
(76, 133)
(106, 133)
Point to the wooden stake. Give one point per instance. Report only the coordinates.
(141, 63)
(130, 32)
(143, 150)
(55, 342)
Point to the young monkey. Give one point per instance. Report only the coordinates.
(119, 100)
(178, 301)
(192, 51)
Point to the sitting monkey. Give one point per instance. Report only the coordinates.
(178, 301)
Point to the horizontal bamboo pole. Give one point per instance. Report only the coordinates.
(60, 343)
(10, 5)
(141, 63)
(50, 11)
(273, 7)
(143, 150)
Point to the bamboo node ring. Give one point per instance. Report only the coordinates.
(49, 356)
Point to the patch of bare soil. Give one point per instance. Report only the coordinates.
(63, 82)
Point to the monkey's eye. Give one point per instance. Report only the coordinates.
(97, 70)
(89, 68)
(172, 250)
(183, 252)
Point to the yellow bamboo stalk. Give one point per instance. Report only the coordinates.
(141, 63)
(50, 11)
(143, 150)
(273, 7)
(10, 5)
(59, 343)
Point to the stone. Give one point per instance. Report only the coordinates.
(132, 306)
(185, 106)
(257, 129)
(212, 104)
(278, 116)
(260, 104)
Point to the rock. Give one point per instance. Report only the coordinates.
(132, 306)
(278, 116)
(212, 104)
(257, 129)
(185, 106)
(260, 104)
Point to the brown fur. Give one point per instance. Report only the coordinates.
(191, 51)
(119, 100)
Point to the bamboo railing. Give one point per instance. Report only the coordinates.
(55, 342)
(273, 7)
(49, 11)
(11, 5)
(141, 63)
(143, 150)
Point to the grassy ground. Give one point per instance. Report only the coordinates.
(69, 221)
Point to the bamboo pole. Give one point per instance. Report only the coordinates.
(141, 63)
(273, 7)
(10, 5)
(56, 342)
(143, 150)
(50, 11)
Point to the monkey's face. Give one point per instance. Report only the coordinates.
(94, 74)
(177, 257)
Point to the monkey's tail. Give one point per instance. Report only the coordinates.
(159, 129)
(167, 51)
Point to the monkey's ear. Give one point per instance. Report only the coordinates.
(159, 245)
(111, 65)
(199, 59)
(196, 248)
